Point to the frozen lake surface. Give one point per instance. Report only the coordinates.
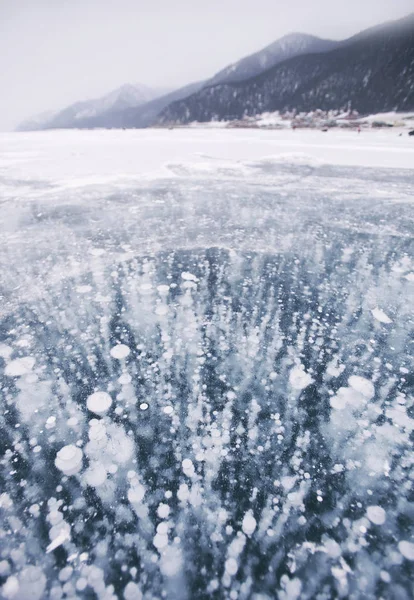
(206, 365)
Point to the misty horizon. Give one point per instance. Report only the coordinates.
(85, 53)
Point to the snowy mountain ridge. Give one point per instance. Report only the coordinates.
(371, 72)
(290, 45)
(127, 96)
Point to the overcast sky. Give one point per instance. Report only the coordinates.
(55, 52)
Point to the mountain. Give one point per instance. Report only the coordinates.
(37, 122)
(126, 107)
(286, 47)
(140, 116)
(81, 113)
(373, 72)
(146, 114)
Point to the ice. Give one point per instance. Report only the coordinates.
(292, 588)
(188, 467)
(5, 351)
(160, 541)
(132, 592)
(376, 515)
(249, 523)
(183, 492)
(163, 527)
(188, 276)
(171, 562)
(96, 475)
(197, 399)
(125, 379)
(69, 459)
(11, 588)
(20, 366)
(407, 549)
(231, 566)
(343, 398)
(163, 511)
(120, 351)
(57, 541)
(30, 585)
(84, 289)
(299, 379)
(362, 385)
(381, 316)
(99, 402)
(65, 574)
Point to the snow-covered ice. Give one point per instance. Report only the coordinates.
(206, 364)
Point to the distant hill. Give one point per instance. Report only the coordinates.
(140, 116)
(128, 106)
(80, 113)
(37, 121)
(373, 72)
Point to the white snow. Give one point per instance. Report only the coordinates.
(99, 402)
(390, 117)
(123, 156)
